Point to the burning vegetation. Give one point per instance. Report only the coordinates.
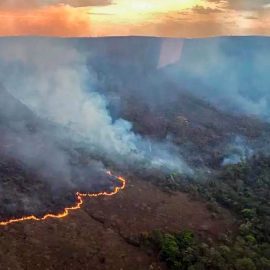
(92, 105)
(79, 201)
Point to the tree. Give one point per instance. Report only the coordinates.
(169, 249)
(245, 264)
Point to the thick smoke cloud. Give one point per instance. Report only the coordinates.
(172, 76)
(52, 79)
(230, 73)
(65, 83)
(58, 117)
(40, 148)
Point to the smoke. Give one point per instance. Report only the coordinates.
(237, 151)
(51, 78)
(58, 120)
(172, 76)
(231, 73)
(66, 130)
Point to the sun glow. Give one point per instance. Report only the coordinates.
(157, 5)
(170, 18)
(139, 10)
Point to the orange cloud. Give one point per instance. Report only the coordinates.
(193, 18)
(48, 21)
(22, 4)
(246, 4)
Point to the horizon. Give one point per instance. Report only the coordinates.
(134, 36)
(173, 18)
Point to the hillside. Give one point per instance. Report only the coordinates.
(188, 107)
(117, 221)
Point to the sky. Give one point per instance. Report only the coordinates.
(170, 18)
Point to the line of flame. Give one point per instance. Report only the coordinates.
(79, 197)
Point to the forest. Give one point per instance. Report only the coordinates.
(244, 190)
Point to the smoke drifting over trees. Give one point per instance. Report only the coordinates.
(232, 73)
(96, 95)
(50, 80)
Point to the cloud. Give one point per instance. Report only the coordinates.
(244, 4)
(54, 81)
(86, 3)
(108, 17)
(205, 10)
(47, 21)
(248, 4)
(30, 4)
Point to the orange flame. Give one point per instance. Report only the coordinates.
(67, 210)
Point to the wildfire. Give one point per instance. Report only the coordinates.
(67, 210)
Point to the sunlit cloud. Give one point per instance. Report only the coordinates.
(47, 21)
(24, 4)
(172, 18)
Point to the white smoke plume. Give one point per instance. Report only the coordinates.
(237, 151)
(231, 73)
(52, 79)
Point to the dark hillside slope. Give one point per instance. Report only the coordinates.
(193, 100)
(39, 170)
(183, 102)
